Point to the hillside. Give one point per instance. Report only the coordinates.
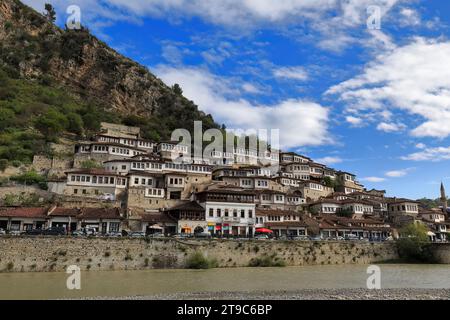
(55, 81)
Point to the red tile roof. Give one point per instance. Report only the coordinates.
(24, 213)
(100, 213)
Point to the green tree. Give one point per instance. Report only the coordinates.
(51, 124)
(177, 89)
(329, 182)
(414, 243)
(50, 12)
(75, 123)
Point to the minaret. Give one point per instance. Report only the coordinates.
(443, 199)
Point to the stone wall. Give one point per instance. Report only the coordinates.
(55, 254)
(442, 253)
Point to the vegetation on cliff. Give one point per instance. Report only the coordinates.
(55, 81)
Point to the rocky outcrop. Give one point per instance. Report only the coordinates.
(79, 61)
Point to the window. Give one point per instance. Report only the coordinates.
(242, 213)
(235, 213)
(226, 213)
(250, 214)
(136, 180)
(75, 191)
(211, 212)
(219, 212)
(113, 227)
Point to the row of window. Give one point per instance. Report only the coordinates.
(230, 197)
(408, 207)
(235, 213)
(98, 180)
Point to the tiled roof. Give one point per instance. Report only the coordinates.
(157, 217)
(64, 212)
(100, 213)
(190, 206)
(24, 213)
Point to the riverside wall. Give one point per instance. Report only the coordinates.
(52, 254)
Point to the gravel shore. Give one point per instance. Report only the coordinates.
(316, 294)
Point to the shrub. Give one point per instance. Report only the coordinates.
(29, 178)
(199, 261)
(267, 261)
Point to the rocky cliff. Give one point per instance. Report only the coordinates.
(85, 66)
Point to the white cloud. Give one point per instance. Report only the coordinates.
(429, 154)
(373, 179)
(409, 17)
(354, 121)
(330, 18)
(293, 73)
(251, 88)
(390, 127)
(301, 123)
(413, 78)
(330, 160)
(398, 173)
(421, 146)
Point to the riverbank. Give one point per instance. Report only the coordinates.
(314, 294)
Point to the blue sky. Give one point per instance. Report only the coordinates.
(373, 102)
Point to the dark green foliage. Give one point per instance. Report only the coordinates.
(267, 261)
(50, 12)
(414, 244)
(199, 261)
(29, 178)
(329, 182)
(430, 203)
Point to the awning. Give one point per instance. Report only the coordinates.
(431, 234)
(263, 230)
(156, 227)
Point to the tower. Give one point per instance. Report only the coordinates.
(443, 199)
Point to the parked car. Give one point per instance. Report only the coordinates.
(262, 237)
(107, 197)
(90, 232)
(54, 232)
(137, 235)
(114, 235)
(300, 238)
(34, 232)
(351, 237)
(15, 233)
(183, 236)
(157, 235)
(78, 233)
(2, 232)
(203, 235)
(315, 238)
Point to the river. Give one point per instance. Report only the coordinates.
(153, 282)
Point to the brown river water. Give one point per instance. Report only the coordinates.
(153, 282)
